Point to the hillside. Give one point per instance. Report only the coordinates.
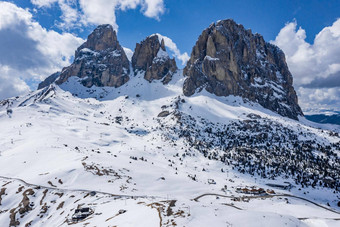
(73, 144)
(130, 148)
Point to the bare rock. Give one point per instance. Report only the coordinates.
(229, 60)
(150, 56)
(49, 80)
(100, 61)
(164, 113)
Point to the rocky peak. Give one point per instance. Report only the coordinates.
(49, 80)
(229, 60)
(102, 38)
(151, 57)
(100, 61)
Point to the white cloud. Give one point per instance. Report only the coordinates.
(43, 3)
(70, 15)
(128, 53)
(10, 14)
(153, 8)
(315, 67)
(318, 99)
(173, 47)
(100, 11)
(310, 61)
(33, 52)
(11, 85)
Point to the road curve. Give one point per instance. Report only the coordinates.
(267, 196)
(72, 190)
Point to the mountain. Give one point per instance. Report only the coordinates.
(325, 119)
(100, 61)
(49, 80)
(150, 57)
(229, 60)
(95, 149)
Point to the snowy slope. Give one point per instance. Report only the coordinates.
(147, 149)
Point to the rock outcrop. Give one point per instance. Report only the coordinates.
(150, 56)
(49, 80)
(100, 61)
(229, 60)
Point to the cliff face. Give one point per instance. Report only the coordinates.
(226, 60)
(229, 60)
(100, 61)
(151, 57)
(49, 80)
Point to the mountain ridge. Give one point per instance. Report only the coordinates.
(260, 76)
(227, 60)
(144, 149)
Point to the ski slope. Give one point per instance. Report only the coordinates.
(59, 144)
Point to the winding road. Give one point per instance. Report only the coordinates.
(72, 190)
(266, 196)
(195, 199)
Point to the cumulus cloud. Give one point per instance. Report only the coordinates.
(333, 80)
(100, 11)
(315, 67)
(128, 53)
(173, 47)
(29, 51)
(317, 99)
(153, 8)
(43, 3)
(11, 86)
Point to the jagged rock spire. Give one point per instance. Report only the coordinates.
(102, 38)
(150, 56)
(100, 61)
(229, 60)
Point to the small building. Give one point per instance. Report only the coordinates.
(243, 190)
(257, 191)
(211, 181)
(121, 211)
(270, 192)
(253, 191)
(81, 214)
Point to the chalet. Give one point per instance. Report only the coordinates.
(81, 214)
(253, 191)
(258, 191)
(243, 190)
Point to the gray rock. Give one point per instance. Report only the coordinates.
(164, 113)
(150, 56)
(49, 80)
(229, 60)
(100, 61)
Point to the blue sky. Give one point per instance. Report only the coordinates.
(184, 20)
(43, 35)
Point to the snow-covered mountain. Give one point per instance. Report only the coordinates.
(142, 153)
